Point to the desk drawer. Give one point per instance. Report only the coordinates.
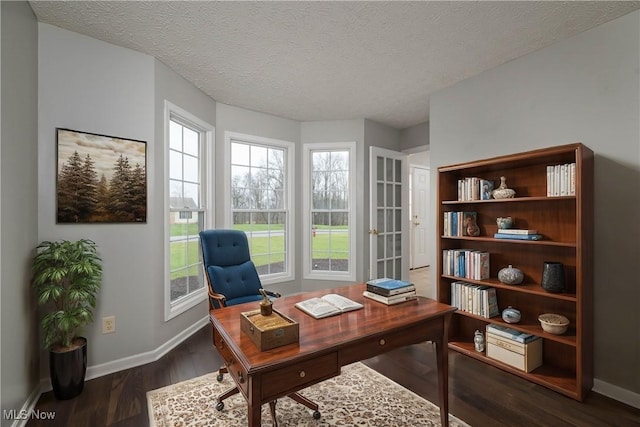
(236, 371)
(386, 342)
(296, 377)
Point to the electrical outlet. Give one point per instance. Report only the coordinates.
(108, 324)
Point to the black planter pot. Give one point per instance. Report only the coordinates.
(67, 370)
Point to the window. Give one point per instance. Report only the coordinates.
(187, 141)
(260, 201)
(329, 238)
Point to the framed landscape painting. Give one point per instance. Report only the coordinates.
(100, 178)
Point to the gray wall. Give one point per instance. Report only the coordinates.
(19, 194)
(92, 86)
(175, 89)
(582, 89)
(415, 137)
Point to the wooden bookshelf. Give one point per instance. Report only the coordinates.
(566, 223)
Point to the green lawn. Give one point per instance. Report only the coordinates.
(182, 253)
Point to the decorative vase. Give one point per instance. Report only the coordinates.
(503, 192)
(510, 275)
(553, 277)
(511, 315)
(504, 222)
(471, 227)
(478, 341)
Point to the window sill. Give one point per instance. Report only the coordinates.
(185, 303)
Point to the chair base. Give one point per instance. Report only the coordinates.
(272, 405)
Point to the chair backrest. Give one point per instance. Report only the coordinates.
(228, 266)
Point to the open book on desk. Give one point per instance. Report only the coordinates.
(328, 305)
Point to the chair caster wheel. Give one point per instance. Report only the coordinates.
(316, 415)
(220, 406)
(219, 378)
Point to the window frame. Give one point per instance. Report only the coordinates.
(289, 198)
(207, 186)
(308, 272)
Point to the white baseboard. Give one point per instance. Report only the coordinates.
(103, 369)
(617, 393)
(28, 406)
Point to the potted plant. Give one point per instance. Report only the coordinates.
(66, 278)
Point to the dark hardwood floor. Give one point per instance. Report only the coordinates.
(478, 394)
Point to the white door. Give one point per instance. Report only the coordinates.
(389, 203)
(419, 216)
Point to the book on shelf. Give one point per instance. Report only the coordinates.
(517, 236)
(467, 263)
(328, 305)
(561, 180)
(517, 231)
(456, 224)
(388, 287)
(511, 334)
(392, 300)
(479, 300)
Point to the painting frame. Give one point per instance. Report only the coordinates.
(100, 178)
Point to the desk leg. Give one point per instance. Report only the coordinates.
(442, 356)
(253, 415)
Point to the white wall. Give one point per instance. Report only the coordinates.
(19, 194)
(583, 89)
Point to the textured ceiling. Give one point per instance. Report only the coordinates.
(330, 60)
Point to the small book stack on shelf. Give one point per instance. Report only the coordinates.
(456, 223)
(474, 188)
(517, 234)
(467, 263)
(561, 180)
(390, 291)
(475, 299)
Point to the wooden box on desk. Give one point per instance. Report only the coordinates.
(268, 332)
(524, 356)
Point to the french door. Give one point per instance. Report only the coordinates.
(388, 231)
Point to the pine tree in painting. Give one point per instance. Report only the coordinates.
(76, 189)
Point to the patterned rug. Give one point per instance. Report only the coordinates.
(359, 396)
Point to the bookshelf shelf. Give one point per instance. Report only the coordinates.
(513, 200)
(566, 224)
(556, 378)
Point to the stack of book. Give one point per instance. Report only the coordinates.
(561, 180)
(456, 223)
(517, 234)
(475, 299)
(467, 263)
(474, 188)
(390, 291)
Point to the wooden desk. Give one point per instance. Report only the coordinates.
(327, 344)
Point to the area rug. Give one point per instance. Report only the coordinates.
(359, 396)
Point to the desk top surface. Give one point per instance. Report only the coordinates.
(319, 335)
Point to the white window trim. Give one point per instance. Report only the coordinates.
(308, 273)
(289, 275)
(172, 310)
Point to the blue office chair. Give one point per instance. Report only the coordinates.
(233, 279)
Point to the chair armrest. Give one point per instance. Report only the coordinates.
(218, 297)
(272, 294)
